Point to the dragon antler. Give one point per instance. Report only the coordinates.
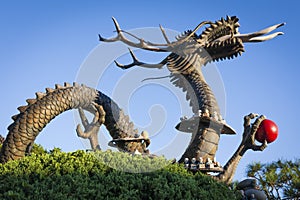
(136, 62)
(146, 45)
(142, 44)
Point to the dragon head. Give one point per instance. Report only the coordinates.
(222, 39)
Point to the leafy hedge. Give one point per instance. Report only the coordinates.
(103, 175)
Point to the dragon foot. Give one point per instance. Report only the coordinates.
(250, 131)
(91, 129)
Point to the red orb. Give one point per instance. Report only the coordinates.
(267, 130)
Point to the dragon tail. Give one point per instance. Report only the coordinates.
(46, 106)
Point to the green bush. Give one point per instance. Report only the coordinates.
(103, 175)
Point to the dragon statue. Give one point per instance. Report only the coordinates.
(220, 40)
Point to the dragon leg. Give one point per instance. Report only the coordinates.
(248, 142)
(91, 129)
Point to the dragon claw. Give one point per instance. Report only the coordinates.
(247, 118)
(80, 132)
(261, 147)
(250, 131)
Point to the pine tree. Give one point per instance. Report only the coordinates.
(279, 179)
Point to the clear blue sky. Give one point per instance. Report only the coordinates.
(46, 42)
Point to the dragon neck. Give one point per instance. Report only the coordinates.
(202, 93)
(198, 92)
(207, 124)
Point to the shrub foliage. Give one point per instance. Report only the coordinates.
(103, 175)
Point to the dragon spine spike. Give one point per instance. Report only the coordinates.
(22, 108)
(66, 84)
(30, 101)
(14, 117)
(40, 95)
(49, 90)
(220, 28)
(58, 86)
(35, 117)
(10, 127)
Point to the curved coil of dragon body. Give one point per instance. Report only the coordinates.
(46, 106)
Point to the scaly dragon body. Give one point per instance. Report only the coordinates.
(46, 106)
